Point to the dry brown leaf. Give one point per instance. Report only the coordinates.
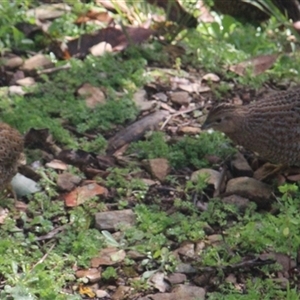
(108, 257)
(100, 49)
(57, 165)
(91, 15)
(118, 39)
(93, 95)
(211, 77)
(259, 64)
(3, 214)
(92, 274)
(87, 291)
(83, 193)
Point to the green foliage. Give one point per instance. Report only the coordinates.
(189, 151)
(255, 289)
(197, 186)
(240, 42)
(154, 222)
(279, 232)
(109, 273)
(154, 147)
(54, 102)
(140, 284)
(13, 12)
(218, 213)
(26, 276)
(126, 184)
(96, 145)
(22, 265)
(31, 269)
(253, 231)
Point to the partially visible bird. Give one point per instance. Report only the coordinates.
(270, 126)
(11, 153)
(257, 11)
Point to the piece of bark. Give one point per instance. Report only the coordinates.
(135, 131)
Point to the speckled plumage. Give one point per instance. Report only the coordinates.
(11, 148)
(270, 126)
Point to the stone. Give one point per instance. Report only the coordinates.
(38, 61)
(159, 168)
(251, 189)
(181, 98)
(111, 220)
(240, 166)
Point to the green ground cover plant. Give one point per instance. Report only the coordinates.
(43, 269)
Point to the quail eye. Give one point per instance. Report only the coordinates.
(218, 120)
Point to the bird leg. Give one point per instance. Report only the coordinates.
(9, 190)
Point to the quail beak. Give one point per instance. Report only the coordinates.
(205, 126)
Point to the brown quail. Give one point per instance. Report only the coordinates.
(270, 126)
(256, 11)
(11, 148)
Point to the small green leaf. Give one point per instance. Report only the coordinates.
(286, 231)
(110, 239)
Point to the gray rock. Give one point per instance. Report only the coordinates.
(13, 62)
(38, 61)
(158, 167)
(67, 181)
(181, 98)
(240, 202)
(251, 189)
(240, 166)
(111, 220)
(181, 292)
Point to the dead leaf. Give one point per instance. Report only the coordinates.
(194, 87)
(211, 77)
(83, 193)
(93, 274)
(189, 130)
(87, 291)
(118, 39)
(141, 101)
(27, 81)
(49, 11)
(93, 95)
(108, 257)
(12, 62)
(57, 165)
(294, 178)
(92, 15)
(259, 64)
(3, 214)
(159, 283)
(38, 61)
(158, 167)
(100, 49)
